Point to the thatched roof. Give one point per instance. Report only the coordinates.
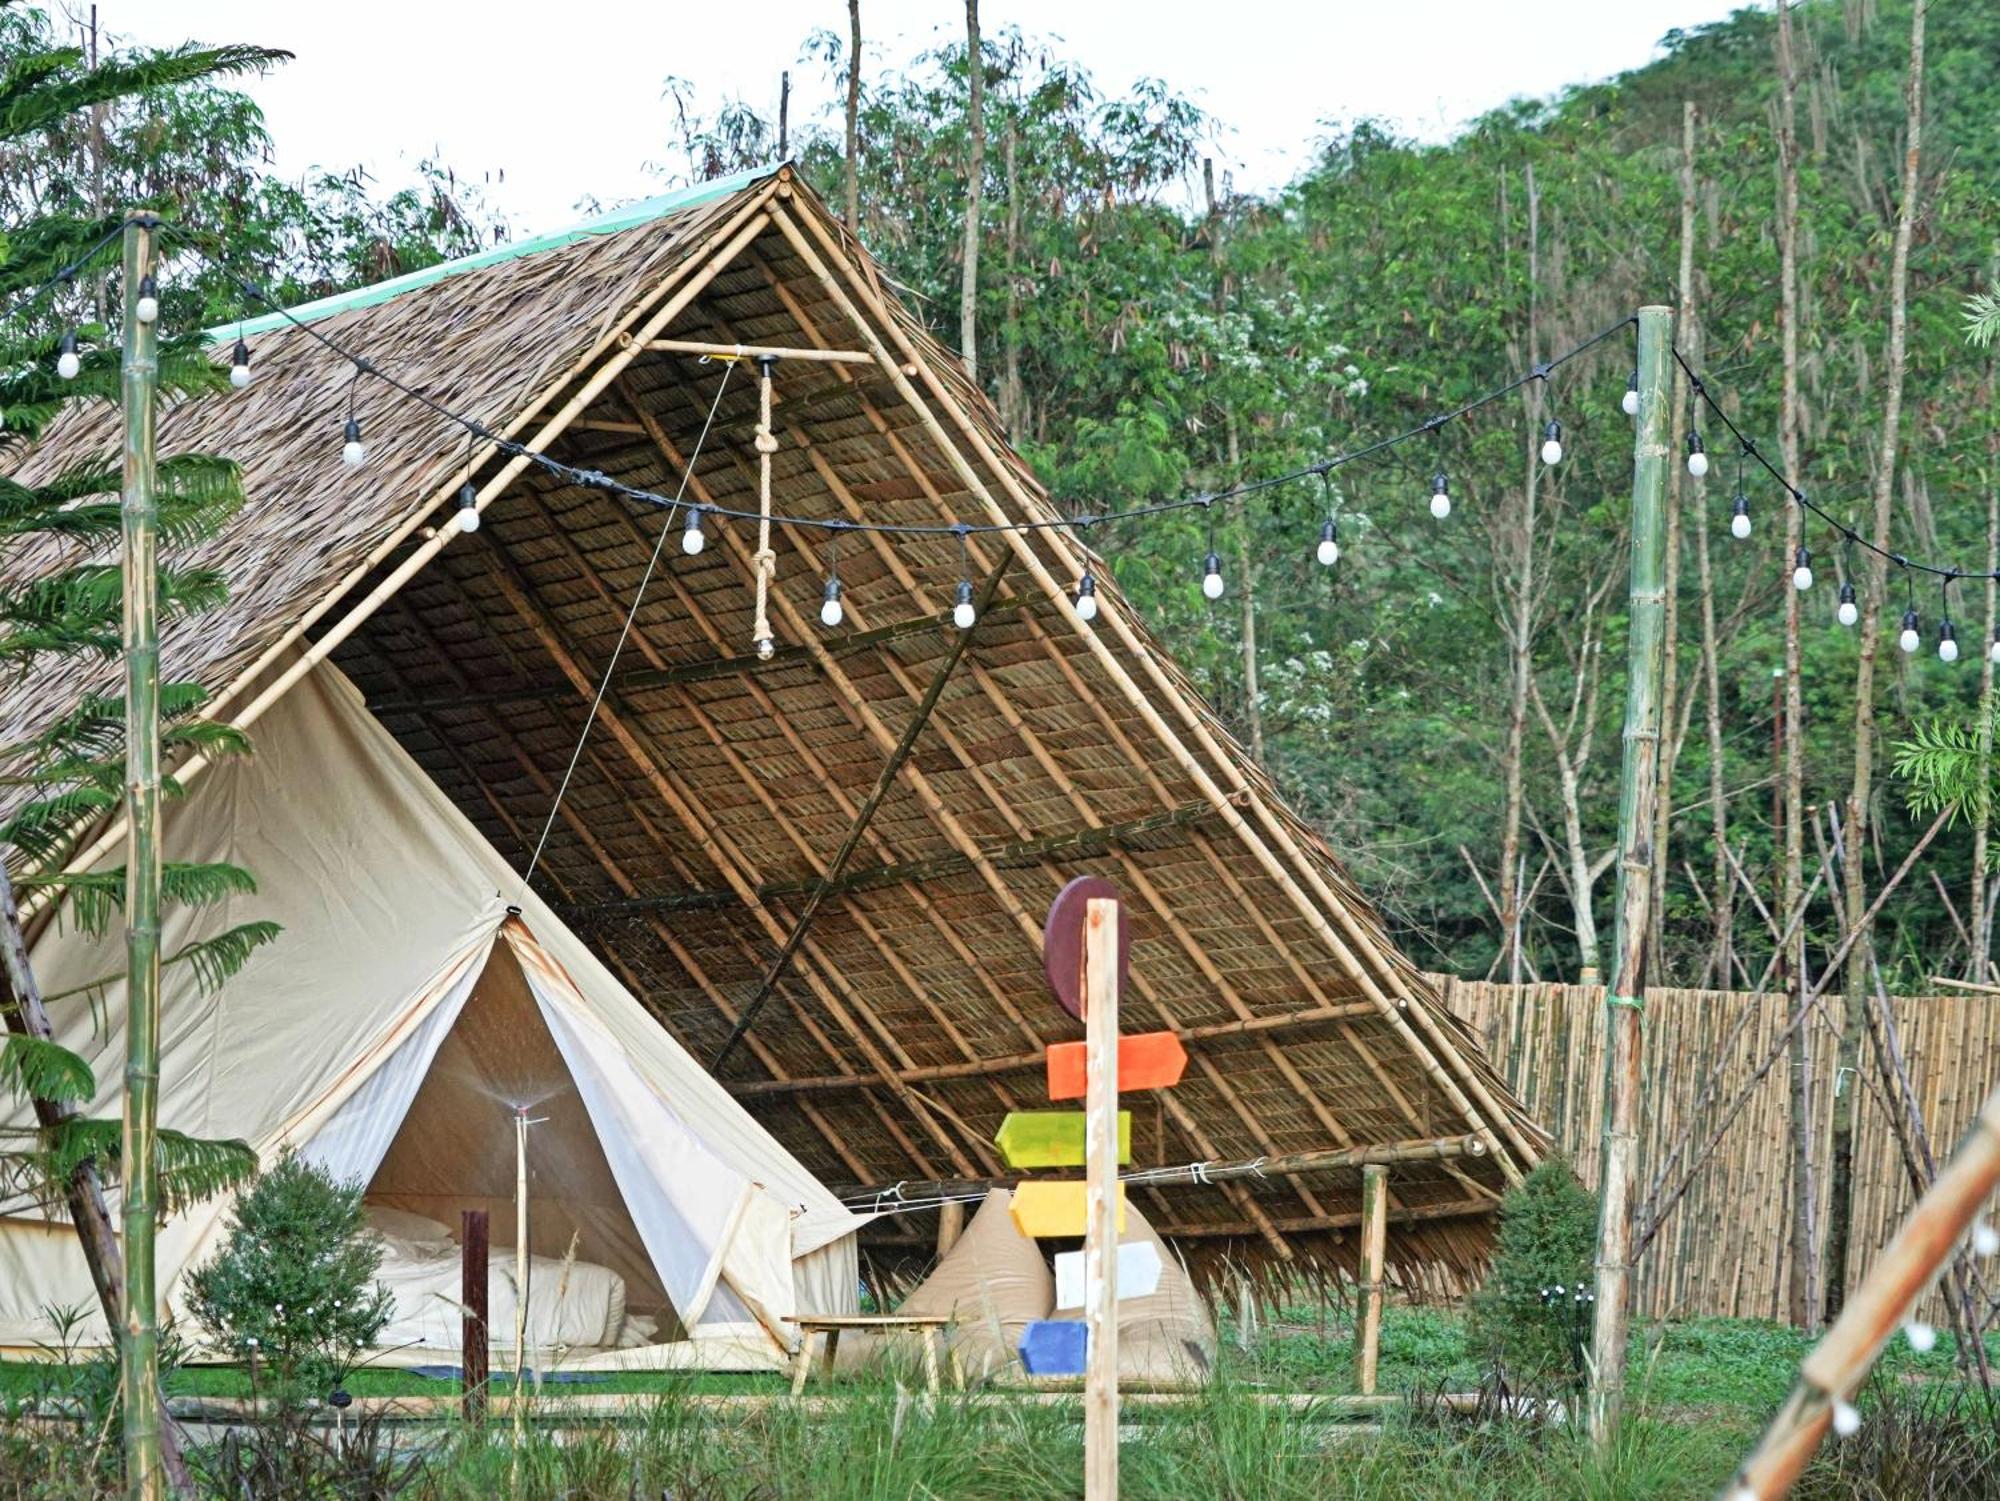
(715, 788)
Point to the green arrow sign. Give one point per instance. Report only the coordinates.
(1053, 1138)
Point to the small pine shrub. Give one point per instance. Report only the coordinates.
(293, 1287)
(1532, 1316)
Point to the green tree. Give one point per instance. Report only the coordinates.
(1532, 1314)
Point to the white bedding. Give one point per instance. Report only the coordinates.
(571, 1305)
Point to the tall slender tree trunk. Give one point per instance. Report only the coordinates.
(975, 181)
(854, 117)
(1854, 1016)
(785, 116)
(1802, 1304)
(1012, 394)
(1520, 629)
(1982, 814)
(1672, 738)
(1253, 711)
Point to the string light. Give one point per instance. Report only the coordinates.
(1211, 575)
(1086, 597)
(1802, 578)
(1630, 400)
(1440, 495)
(831, 611)
(468, 508)
(1849, 612)
(1846, 1418)
(147, 308)
(1985, 1239)
(1911, 637)
(352, 450)
(1993, 651)
(1697, 458)
(964, 614)
(1947, 633)
(68, 362)
(1739, 517)
(1552, 442)
(1922, 1336)
(1328, 551)
(693, 539)
(239, 364)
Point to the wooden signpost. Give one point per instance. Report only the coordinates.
(1087, 950)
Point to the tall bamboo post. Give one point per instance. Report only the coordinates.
(1374, 1250)
(1103, 1196)
(139, 1352)
(1908, 1265)
(1625, 998)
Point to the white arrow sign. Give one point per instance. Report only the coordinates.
(1138, 1273)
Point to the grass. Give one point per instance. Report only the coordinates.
(1702, 1390)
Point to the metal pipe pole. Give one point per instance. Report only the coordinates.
(139, 1351)
(1638, 802)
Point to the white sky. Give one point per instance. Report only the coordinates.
(566, 99)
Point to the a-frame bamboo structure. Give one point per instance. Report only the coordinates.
(831, 865)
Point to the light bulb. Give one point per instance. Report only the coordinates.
(1086, 597)
(693, 539)
(1909, 640)
(1985, 1239)
(1849, 612)
(766, 648)
(962, 613)
(1947, 642)
(1552, 444)
(239, 365)
(1697, 456)
(468, 508)
(1846, 1418)
(353, 450)
(1739, 518)
(147, 308)
(1993, 651)
(1630, 400)
(68, 362)
(1211, 576)
(1440, 496)
(1328, 552)
(1922, 1337)
(1802, 570)
(831, 612)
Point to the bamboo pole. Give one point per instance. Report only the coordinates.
(139, 1350)
(1102, 1199)
(473, 1288)
(1374, 1245)
(1624, 1000)
(610, 357)
(1906, 1268)
(761, 351)
(1330, 928)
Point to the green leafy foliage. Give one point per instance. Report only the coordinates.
(35, 1068)
(294, 1283)
(1532, 1315)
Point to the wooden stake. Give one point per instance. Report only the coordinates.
(1100, 1239)
(139, 1350)
(951, 1225)
(1625, 999)
(1901, 1274)
(1374, 1248)
(472, 1292)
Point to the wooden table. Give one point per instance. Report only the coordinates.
(832, 1325)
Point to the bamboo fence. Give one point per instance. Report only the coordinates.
(1722, 1248)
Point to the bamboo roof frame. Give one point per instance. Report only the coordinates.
(839, 855)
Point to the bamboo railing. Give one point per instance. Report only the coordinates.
(1722, 1248)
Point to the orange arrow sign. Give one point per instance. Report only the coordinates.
(1146, 1060)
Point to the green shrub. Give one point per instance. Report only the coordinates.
(293, 1287)
(1532, 1316)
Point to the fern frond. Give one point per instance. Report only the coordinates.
(214, 960)
(38, 1069)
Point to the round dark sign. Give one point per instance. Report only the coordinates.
(1062, 940)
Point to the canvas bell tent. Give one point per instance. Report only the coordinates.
(822, 868)
(417, 999)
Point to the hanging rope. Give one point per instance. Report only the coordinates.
(624, 631)
(765, 559)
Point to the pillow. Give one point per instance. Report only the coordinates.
(410, 1229)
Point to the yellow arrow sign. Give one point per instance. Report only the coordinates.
(1047, 1210)
(1053, 1138)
